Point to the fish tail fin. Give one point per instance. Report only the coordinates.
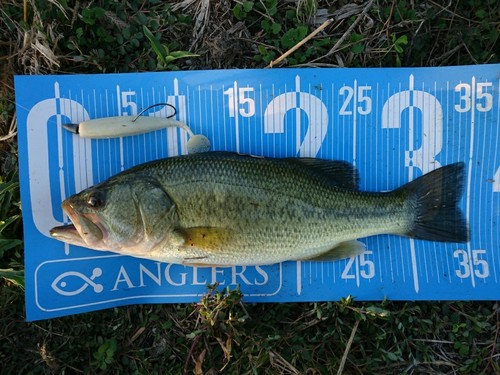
(434, 199)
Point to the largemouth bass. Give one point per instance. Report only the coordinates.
(221, 208)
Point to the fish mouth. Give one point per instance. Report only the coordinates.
(83, 232)
(69, 234)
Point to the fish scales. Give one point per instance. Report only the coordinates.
(222, 208)
(248, 195)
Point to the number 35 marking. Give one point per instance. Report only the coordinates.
(480, 266)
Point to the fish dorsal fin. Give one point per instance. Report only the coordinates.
(209, 239)
(343, 250)
(337, 173)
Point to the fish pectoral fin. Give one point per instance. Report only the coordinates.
(342, 250)
(209, 239)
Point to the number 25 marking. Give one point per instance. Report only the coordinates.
(348, 92)
(366, 267)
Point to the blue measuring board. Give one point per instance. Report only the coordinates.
(392, 124)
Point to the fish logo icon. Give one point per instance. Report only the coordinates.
(62, 282)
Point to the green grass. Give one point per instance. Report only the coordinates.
(221, 333)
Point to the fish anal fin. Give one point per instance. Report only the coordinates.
(341, 251)
(209, 239)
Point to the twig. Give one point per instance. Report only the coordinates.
(446, 9)
(495, 340)
(12, 131)
(439, 60)
(348, 348)
(280, 363)
(190, 354)
(350, 29)
(25, 11)
(470, 54)
(321, 27)
(435, 341)
(344, 12)
(137, 333)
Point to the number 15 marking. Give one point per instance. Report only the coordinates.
(240, 97)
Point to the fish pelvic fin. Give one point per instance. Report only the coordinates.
(434, 200)
(342, 250)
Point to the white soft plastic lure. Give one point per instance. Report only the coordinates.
(121, 126)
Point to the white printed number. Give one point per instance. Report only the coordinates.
(483, 98)
(365, 267)
(496, 181)
(240, 97)
(362, 102)
(476, 264)
(128, 103)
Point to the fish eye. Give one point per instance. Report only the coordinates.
(95, 200)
